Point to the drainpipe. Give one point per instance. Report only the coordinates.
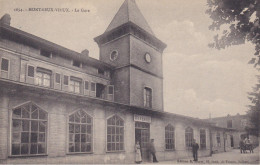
(224, 137)
(210, 141)
(210, 135)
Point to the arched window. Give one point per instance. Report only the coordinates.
(80, 132)
(202, 139)
(188, 136)
(169, 137)
(29, 129)
(115, 134)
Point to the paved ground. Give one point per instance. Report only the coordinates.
(231, 157)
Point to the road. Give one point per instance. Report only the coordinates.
(231, 157)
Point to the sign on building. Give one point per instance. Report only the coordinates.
(142, 118)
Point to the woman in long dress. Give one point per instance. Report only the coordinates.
(138, 156)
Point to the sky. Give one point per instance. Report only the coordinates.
(198, 81)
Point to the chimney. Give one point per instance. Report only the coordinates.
(85, 52)
(6, 20)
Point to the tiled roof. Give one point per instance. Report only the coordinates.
(129, 12)
(16, 33)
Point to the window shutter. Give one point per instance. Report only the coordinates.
(86, 85)
(57, 78)
(93, 86)
(110, 89)
(66, 80)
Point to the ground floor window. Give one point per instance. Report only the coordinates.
(115, 134)
(169, 137)
(80, 132)
(188, 136)
(29, 129)
(202, 139)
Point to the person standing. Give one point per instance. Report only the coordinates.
(152, 151)
(138, 156)
(241, 146)
(195, 148)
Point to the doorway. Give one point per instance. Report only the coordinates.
(142, 134)
(231, 140)
(100, 91)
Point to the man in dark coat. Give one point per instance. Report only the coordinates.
(241, 146)
(195, 148)
(151, 150)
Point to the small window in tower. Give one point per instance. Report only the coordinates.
(76, 63)
(113, 55)
(148, 97)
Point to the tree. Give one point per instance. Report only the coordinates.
(242, 19)
(254, 111)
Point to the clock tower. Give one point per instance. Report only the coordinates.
(130, 45)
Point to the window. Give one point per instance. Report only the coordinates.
(113, 55)
(66, 80)
(202, 139)
(75, 85)
(43, 77)
(101, 71)
(30, 71)
(93, 87)
(57, 78)
(45, 53)
(229, 124)
(76, 63)
(80, 132)
(169, 137)
(148, 97)
(188, 136)
(86, 85)
(110, 89)
(100, 90)
(29, 130)
(115, 134)
(218, 140)
(5, 64)
(107, 74)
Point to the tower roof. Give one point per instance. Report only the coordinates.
(129, 12)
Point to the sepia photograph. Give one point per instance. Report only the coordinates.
(129, 81)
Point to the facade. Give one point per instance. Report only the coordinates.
(60, 106)
(237, 122)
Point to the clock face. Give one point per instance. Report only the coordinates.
(147, 57)
(113, 55)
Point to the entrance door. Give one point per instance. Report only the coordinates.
(231, 140)
(142, 134)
